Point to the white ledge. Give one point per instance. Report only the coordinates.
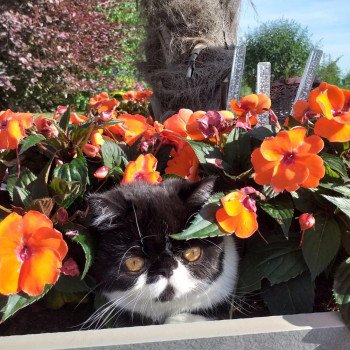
(211, 335)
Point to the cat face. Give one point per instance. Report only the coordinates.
(140, 268)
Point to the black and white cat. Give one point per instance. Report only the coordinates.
(147, 277)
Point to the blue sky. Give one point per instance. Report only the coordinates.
(328, 22)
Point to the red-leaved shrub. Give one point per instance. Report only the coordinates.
(50, 49)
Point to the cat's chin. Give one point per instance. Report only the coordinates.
(181, 293)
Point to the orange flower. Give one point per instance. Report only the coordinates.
(332, 103)
(300, 109)
(97, 100)
(193, 128)
(249, 107)
(108, 106)
(142, 169)
(96, 138)
(12, 128)
(238, 214)
(184, 162)
(131, 129)
(31, 253)
(289, 160)
(78, 119)
(177, 123)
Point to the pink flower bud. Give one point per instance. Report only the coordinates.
(101, 172)
(58, 162)
(70, 268)
(62, 215)
(91, 150)
(306, 221)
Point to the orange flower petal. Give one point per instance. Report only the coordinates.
(40, 269)
(289, 177)
(249, 102)
(48, 238)
(299, 109)
(247, 224)
(10, 267)
(312, 144)
(296, 136)
(11, 228)
(177, 123)
(232, 204)
(274, 148)
(316, 169)
(25, 119)
(336, 97)
(263, 168)
(331, 130)
(34, 220)
(263, 104)
(192, 127)
(226, 222)
(325, 105)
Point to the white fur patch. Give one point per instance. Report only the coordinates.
(191, 294)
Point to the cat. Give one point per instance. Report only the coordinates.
(145, 276)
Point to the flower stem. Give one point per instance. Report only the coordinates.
(5, 209)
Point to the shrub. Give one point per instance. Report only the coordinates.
(284, 43)
(330, 71)
(49, 50)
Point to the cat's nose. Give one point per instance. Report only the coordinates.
(166, 272)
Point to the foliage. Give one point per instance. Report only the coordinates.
(329, 71)
(50, 50)
(284, 43)
(274, 175)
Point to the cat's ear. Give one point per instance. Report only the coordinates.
(195, 194)
(104, 209)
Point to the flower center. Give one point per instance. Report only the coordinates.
(3, 125)
(25, 253)
(288, 158)
(337, 113)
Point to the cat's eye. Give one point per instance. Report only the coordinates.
(192, 254)
(134, 264)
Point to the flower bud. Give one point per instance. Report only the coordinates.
(306, 221)
(70, 268)
(62, 215)
(91, 150)
(101, 172)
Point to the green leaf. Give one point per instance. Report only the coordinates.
(278, 261)
(204, 151)
(334, 166)
(341, 290)
(112, 154)
(24, 181)
(341, 203)
(74, 172)
(305, 201)
(64, 192)
(43, 205)
(85, 240)
(21, 197)
(39, 187)
(292, 297)
(17, 302)
(321, 244)
(262, 132)
(280, 208)
(204, 223)
(30, 141)
(344, 190)
(237, 150)
(71, 284)
(64, 122)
